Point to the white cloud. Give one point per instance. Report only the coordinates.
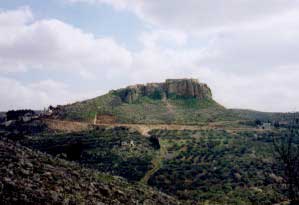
(245, 50)
(273, 92)
(27, 44)
(117, 4)
(37, 95)
(163, 37)
(14, 18)
(249, 64)
(265, 91)
(16, 95)
(199, 15)
(53, 44)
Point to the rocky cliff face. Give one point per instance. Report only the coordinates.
(171, 87)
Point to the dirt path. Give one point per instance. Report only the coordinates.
(144, 129)
(157, 163)
(169, 107)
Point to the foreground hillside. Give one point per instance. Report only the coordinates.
(181, 101)
(119, 151)
(29, 177)
(219, 165)
(209, 165)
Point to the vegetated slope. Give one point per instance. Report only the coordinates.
(219, 167)
(264, 116)
(182, 101)
(209, 166)
(29, 177)
(119, 151)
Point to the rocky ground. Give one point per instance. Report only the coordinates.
(30, 177)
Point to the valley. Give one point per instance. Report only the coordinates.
(170, 137)
(210, 163)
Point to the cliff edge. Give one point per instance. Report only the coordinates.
(188, 88)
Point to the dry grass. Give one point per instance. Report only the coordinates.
(66, 126)
(144, 129)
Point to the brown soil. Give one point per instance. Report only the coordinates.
(66, 126)
(105, 119)
(144, 129)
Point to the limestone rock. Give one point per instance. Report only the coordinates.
(179, 87)
(188, 88)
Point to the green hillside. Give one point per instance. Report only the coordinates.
(141, 134)
(176, 109)
(229, 164)
(219, 167)
(175, 101)
(119, 151)
(209, 166)
(265, 116)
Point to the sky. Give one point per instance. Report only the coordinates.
(62, 51)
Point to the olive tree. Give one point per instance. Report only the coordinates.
(286, 151)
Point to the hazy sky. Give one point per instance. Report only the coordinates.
(61, 51)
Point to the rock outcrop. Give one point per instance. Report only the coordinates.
(171, 87)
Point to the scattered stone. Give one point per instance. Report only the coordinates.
(54, 196)
(57, 181)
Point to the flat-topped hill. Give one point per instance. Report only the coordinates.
(175, 101)
(189, 88)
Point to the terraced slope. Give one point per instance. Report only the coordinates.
(219, 167)
(211, 164)
(120, 151)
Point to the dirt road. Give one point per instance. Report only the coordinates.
(144, 129)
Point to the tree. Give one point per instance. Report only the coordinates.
(276, 124)
(16, 114)
(258, 122)
(155, 142)
(74, 151)
(286, 151)
(114, 103)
